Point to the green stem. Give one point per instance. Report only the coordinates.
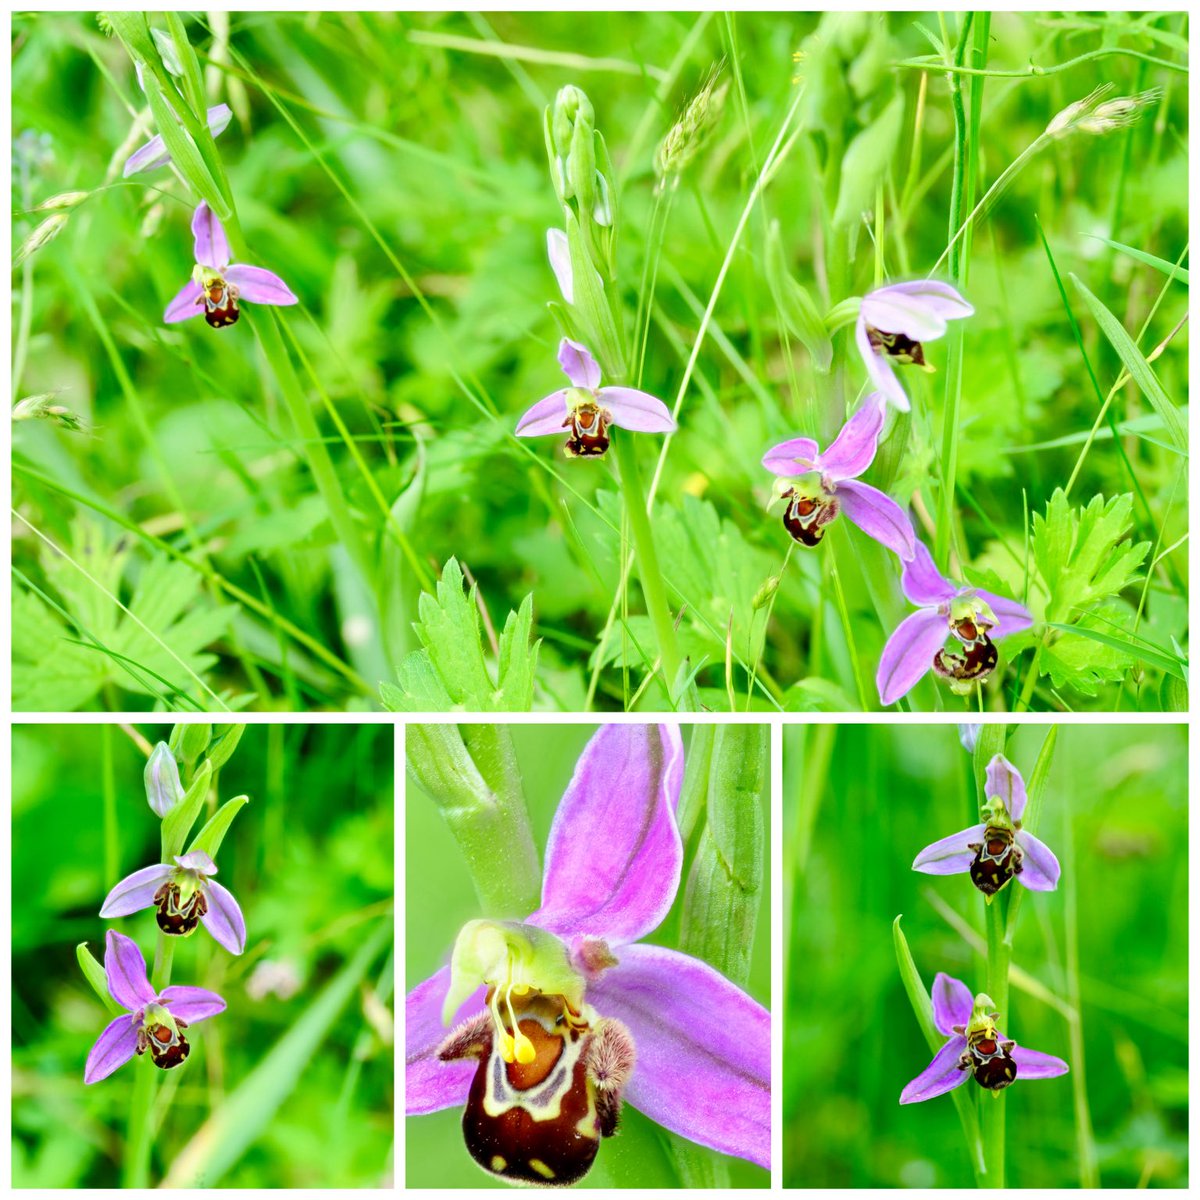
(136, 1169)
(653, 586)
(999, 958)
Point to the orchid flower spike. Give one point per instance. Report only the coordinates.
(155, 154)
(814, 486)
(559, 1018)
(217, 286)
(183, 895)
(974, 618)
(894, 321)
(996, 850)
(153, 1022)
(587, 410)
(975, 1048)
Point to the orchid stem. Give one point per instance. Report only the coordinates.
(136, 1171)
(653, 587)
(999, 956)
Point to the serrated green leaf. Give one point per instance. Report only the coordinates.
(1073, 659)
(177, 824)
(1138, 648)
(865, 162)
(93, 972)
(209, 838)
(795, 305)
(517, 661)
(1139, 369)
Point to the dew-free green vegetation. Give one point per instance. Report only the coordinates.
(293, 1084)
(441, 898)
(257, 516)
(1099, 967)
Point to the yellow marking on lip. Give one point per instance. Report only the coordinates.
(536, 1164)
(499, 1162)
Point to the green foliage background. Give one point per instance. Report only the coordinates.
(310, 861)
(440, 899)
(859, 803)
(392, 168)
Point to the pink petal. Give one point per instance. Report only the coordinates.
(259, 286)
(1011, 617)
(429, 1083)
(941, 1076)
(893, 310)
(880, 369)
(878, 516)
(581, 368)
(934, 295)
(547, 416)
(909, 653)
(136, 891)
(1040, 871)
(1033, 1064)
(949, 856)
(192, 1004)
(853, 450)
(197, 860)
(796, 456)
(614, 854)
(224, 918)
(152, 155)
(187, 303)
(212, 248)
(217, 118)
(1004, 781)
(112, 1049)
(125, 969)
(639, 411)
(703, 1049)
(952, 1002)
(922, 582)
(559, 253)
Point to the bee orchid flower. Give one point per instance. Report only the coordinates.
(559, 1018)
(152, 1022)
(587, 410)
(975, 1048)
(183, 896)
(973, 617)
(814, 486)
(218, 286)
(895, 321)
(155, 154)
(996, 850)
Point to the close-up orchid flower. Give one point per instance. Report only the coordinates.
(587, 410)
(997, 849)
(540, 1029)
(973, 617)
(814, 486)
(153, 1022)
(974, 1048)
(218, 286)
(895, 321)
(155, 154)
(182, 896)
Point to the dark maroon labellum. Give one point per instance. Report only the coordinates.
(897, 346)
(176, 919)
(220, 302)
(167, 1050)
(997, 859)
(977, 661)
(806, 517)
(991, 1060)
(589, 432)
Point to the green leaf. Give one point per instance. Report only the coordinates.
(1139, 369)
(1074, 659)
(865, 162)
(451, 672)
(93, 972)
(226, 742)
(209, 839)
(245, 1113)
(1151, 260)
(694, 794)
(177, 824)
(795, 305)
(1155, 656)
(1082, 555)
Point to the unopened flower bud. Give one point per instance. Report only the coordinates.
(190, 741)
(161, 776)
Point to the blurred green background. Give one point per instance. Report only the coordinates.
(859, 802)
(310, 860)
(440, 899)
(433, 124)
